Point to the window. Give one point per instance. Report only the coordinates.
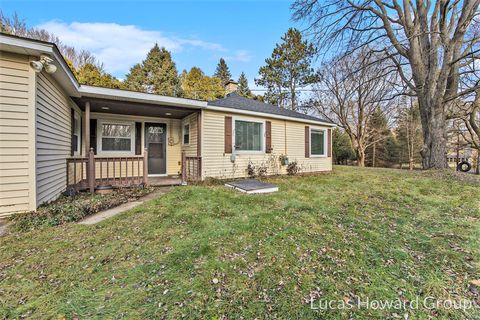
(76, 132)
(186, 133)
(317, 142)
(116, 137)
(248, 135)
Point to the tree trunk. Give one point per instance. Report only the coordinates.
(434, 145)
(477, 170)
(374, 154)
(410, 164)
(360, 158)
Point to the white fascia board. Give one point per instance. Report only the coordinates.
(269, 115)
(25, 44)
(125, 95)
(64, 75)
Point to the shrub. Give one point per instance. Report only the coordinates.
(71, 209)
(254, 171)
(262, 170)
(293, 168)
(251, 169)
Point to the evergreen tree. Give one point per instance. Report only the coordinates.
(222, 72)
(196, 85)
(342, 147)
(91, 74)
(243, 88)
(287, 70)
(156, 74)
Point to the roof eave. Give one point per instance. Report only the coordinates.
(133, 96)
(31, 47)
(269, 115)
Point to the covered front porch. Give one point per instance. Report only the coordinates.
(122, 143)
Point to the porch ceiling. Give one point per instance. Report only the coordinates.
(133, 108)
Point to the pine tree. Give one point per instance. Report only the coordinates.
(288, 69)
(156, 74)
(342, 147)
(243, 88)
(196, 85)
(222, 72)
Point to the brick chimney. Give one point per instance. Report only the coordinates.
(230, 87)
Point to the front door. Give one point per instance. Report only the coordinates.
(156, 144)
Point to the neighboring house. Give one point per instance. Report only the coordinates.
(56, 133)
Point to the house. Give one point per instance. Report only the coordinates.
(56, 134)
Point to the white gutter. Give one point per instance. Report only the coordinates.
(125, 95)
(269, 115)
(25, 43)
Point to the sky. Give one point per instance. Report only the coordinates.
(198, 33)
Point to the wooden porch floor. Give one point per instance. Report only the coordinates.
(165, 181)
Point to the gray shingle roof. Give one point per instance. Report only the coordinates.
(235, 101)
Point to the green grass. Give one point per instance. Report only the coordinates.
(376, 233)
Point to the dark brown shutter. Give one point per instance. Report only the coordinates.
(268, 137)
(228, 134)
(72, 132)
(329, 143)
(307, 142)
(138, 138)
(93, 135)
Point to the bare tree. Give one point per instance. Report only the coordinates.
(469, 115)
(465, 110)
(408, 131)
(18, 27)
(466, 123)
(351, 99)
(428, 42)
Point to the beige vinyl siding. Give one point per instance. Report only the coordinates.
(288, 137)
(17, 87)
(191, 148)
(53, 138)
(174, 147)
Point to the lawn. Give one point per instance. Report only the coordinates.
(209, 252)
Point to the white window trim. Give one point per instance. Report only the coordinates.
(101, 122)
(77, 116)
(263, 122)
(324, 155)
(189, 132)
